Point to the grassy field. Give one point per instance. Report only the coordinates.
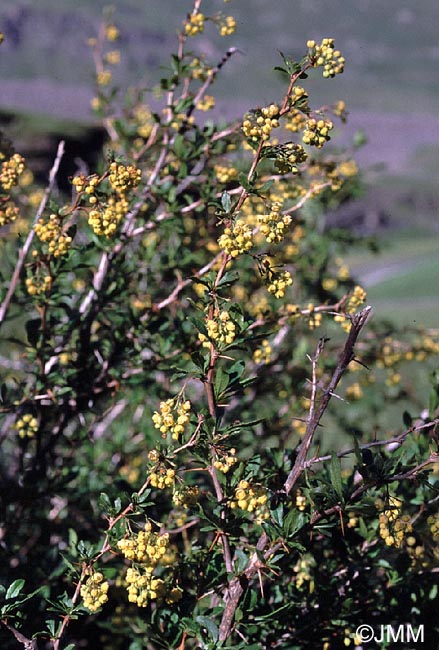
(391, 47)
(402, 282)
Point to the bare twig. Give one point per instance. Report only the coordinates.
(357, 323)
(100, 428)
(395, 441)
(28, 242)
(28, 644)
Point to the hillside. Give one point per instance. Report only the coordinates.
(390, 83)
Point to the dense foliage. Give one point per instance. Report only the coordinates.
(204, 443)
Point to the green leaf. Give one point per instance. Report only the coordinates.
(244, 182)
(179, 146)
(229, 278)
(266, 186)
(221, 382)
(104, 502)
(357, 450)
(278, 514)
(433, 402)
(360, 138)
(226, 201)
(209, 625)
(53, 627)
(362, 528)
(241, 560)
(335, 475)
(273, 614)
(293, 522)
(14, 589)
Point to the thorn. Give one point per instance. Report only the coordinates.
(360, 363)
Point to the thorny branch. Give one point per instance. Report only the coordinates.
(316, 412)
(238, 584)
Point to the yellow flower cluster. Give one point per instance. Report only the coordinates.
(112, 57)
(226, 461)
(146, 547)
(278, 283)
(298, 96)
(303, 569)
(296, 121)
(111, 33)
(299, 422)
(339, 109)
(105, 220)
(225, 174)
(236, 239)
(86, 184)
(325, 55)
(316, 132)
(38, 284)
(200, 70)
(288, 157)
(258, 124)
(94, 591)
(172, 417)
(314, 317)
(352, 520)
(393, 526)
(181, 120)
(415, 550)
(343, 270)
(124, 178)
(300, 501)
(392, 352)
(263, 353)
(338, 175)
(51, 232)
(195, 24)
(162, 477)
(105, 216)
(185, 496)
(8, 213)
(350, 638)
(221, 330)
(252, 498)
(144, 121)
(104, 78)
(227, 26)
(273, 225)
(355, 301)
(26, 426)
(207, 103)
(433, 522)
(11, 171)
(354, 391)
(143, 587)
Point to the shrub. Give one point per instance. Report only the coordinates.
(175, 473)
